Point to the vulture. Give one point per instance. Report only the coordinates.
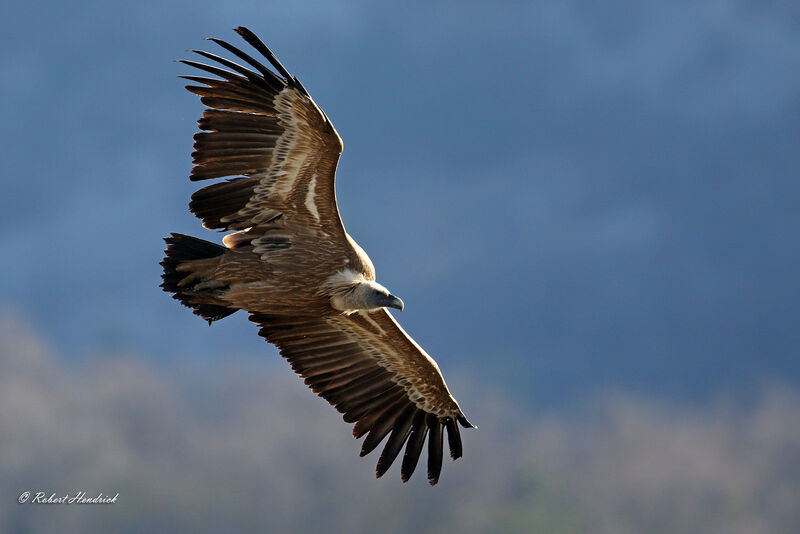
(289, 263)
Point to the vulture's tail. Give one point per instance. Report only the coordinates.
(184, 283)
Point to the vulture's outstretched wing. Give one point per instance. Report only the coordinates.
(370, 370)
(264, 126)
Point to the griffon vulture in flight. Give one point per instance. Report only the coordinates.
(292, 266)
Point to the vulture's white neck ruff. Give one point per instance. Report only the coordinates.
(350, 291)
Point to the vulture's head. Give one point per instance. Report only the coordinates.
(364, 295)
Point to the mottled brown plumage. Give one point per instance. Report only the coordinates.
(290, 264)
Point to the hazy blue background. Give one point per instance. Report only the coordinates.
(578, 202)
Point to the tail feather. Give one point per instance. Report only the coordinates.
(183, 248)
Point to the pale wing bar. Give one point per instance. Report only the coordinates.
(342, 369)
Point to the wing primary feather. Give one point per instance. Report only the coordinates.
(419, 429)
(402, 428)
(229, 138)
(244, 71)
(256, 43)
(230, 92)
(201, 79)
(222, 73)
(242, 86)
(434, 449)
(251, 60)
(382, 426)
(235, 123)
(246, 105)
(362, 409)
(302, 89)
(371, 412)
(464, 422)
(453, 438)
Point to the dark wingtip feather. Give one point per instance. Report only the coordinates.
(419, 429)
(244, 71)
(434, 449)
(383, 425)
(259, 45)
(300, 86)
(222, 73)
(464, 422)
(402, 428)
(275, 81)
(253, 40)
(453, 438)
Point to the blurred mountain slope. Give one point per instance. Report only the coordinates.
(236, 446)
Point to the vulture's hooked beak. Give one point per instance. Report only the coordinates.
(394, 302)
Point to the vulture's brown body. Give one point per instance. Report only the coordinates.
(290, 264)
